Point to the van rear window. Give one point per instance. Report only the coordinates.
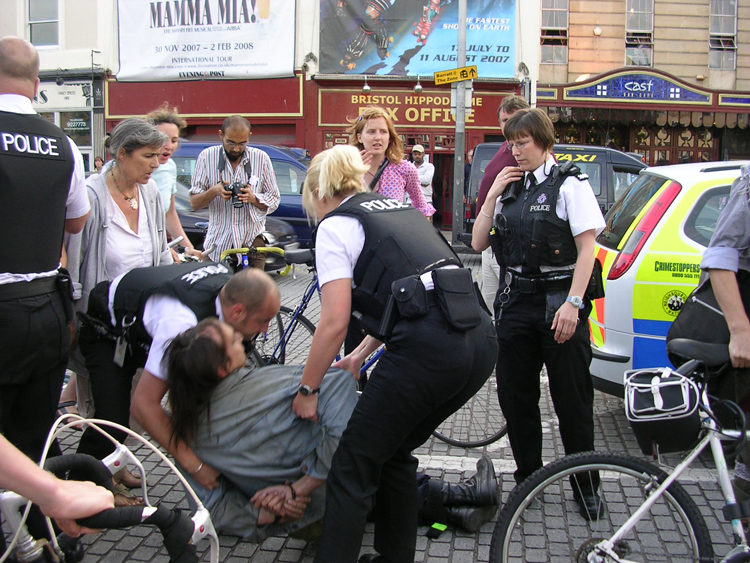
(628, 207)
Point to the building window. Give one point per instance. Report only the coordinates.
(43, 23)
(722, 42)
(554, 31)
(639, 32)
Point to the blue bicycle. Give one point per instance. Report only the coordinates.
(478, 423)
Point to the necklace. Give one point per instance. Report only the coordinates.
(132, 201)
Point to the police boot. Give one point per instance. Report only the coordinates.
(479, 490)
(470, 518)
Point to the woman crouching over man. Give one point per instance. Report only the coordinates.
(272, 463)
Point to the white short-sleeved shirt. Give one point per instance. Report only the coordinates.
(339, 243)
(164, 317)
(77, 203)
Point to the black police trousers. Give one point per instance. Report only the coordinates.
(526, 343)
(427, 372)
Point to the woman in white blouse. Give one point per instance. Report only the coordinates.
(126, 230)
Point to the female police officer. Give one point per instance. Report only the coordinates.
(380, 262)
(546, 219)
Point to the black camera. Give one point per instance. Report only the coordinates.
(236, 189)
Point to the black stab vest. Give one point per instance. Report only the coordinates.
(399, 242)
(531, 233)
(36, 167)
(195, 285)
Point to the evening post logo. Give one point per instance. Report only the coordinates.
(200, 15)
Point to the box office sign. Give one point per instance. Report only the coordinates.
(205, 39)
(429, 109)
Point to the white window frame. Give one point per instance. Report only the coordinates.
(722, 43)
(556, 36)
(639, 39)
(30, 24)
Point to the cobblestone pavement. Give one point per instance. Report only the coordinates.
(436, 458)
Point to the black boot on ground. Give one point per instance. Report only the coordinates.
(479, 490)
(470, 518)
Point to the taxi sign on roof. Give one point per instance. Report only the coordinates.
(455, 75)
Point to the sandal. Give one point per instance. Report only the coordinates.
(123, 497)
(67, 407)
(127, 479)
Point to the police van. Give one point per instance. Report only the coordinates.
(610, 173)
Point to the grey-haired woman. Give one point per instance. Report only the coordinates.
(126, 230)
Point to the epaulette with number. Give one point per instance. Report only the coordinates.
(582, 176)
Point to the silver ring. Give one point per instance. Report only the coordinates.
(506, 176)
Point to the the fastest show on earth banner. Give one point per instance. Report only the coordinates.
(413, 37)
(205, 39)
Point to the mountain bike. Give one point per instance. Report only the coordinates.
(645, 514)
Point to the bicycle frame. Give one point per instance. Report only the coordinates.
(712, 438)
(312, 288)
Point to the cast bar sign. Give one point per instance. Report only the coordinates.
(455, 75)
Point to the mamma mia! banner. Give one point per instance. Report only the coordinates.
(205, 39)
(411, 37)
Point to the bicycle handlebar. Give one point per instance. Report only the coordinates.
(175, 525)
(263, 249)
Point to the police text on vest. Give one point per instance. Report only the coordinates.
(383, 204)
(28, 144)
(199, 274)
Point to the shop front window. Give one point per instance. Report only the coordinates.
(77, 125)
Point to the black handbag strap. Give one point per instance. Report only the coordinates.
(376, 178)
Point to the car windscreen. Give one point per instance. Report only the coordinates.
(185, 168)
(627, 208)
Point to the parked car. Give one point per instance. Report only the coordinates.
(610, 172)
(650, 251)
(195, 223)
(290, 167)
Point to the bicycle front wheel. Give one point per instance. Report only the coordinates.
(541, 520)
(297, 337)
(478, 423)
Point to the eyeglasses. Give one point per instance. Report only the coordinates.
(519, 146)
(232, 144)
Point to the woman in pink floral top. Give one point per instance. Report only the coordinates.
(375, 136)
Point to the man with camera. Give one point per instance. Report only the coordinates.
(238, 185)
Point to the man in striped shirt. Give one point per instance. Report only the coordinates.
(235, 221)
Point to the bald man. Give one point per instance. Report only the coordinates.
(43, 196)
(43, 193)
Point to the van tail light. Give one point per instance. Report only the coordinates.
(643, 230)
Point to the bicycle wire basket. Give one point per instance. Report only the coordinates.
(662, 407)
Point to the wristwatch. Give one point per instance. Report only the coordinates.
(575, 300)
(307, 390)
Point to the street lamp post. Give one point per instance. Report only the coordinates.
(460, 139)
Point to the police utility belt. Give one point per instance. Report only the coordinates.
(538, 284)
(41, 286)
(455, 295)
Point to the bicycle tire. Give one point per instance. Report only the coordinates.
(540, 521)
(294, 351)
(478, 423)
